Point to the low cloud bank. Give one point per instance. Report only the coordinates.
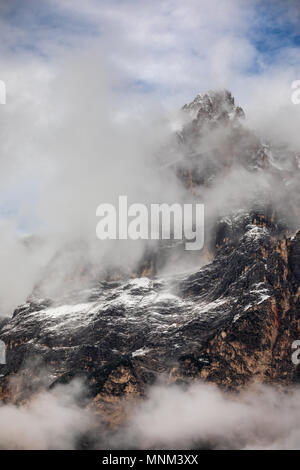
(198, 416)
(202, 416)
(51, 420)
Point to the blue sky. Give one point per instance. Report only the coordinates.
(277, 28)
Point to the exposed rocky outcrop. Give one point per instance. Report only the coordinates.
(231, 320)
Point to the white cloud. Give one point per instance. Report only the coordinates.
(50, 420)
(82, 123)
(201, 415)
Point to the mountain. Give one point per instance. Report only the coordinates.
(230, 317)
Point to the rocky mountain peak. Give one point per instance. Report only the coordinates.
(213, 105)
(231, 318)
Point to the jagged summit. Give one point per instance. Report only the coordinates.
(215, 139)
(230, 319)
(213, 105)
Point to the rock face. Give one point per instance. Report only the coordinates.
(230, 320)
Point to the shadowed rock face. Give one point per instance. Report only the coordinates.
(230, 321)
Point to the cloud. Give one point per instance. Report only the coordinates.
(92, 89)
(50, 420)
(202, 416)
(169, 45)
(194, 416)
(22, 260)
(180, 48)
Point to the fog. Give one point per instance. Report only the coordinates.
(90, 116)
(198, 416)
(50, 420)
(93, 100)
(73, 149)
(202, 416)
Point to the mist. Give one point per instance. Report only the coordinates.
(195, 416)
(50, 420)
(201, 416)
(92, 112)
(91, 116)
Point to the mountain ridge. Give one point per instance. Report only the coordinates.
(231, 320)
